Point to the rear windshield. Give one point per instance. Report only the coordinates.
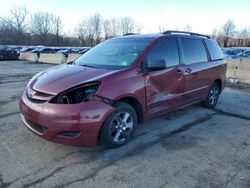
(114, 53)
(214, 50)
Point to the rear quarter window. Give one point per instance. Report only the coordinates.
(193, 51)
(214, 50)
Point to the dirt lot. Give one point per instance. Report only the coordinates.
(192, 147)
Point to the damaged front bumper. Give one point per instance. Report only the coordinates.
(69, 124)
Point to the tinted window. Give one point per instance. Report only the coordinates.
(214, 50)
(193, 51)
(165, 50)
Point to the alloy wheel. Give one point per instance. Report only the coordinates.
(214, 95)
(121, 127)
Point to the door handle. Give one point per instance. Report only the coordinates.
(179, 72)
(188, 70)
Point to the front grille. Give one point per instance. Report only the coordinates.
(38, 97)
(37, 127)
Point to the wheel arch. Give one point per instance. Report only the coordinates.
(135, 104)
(219, 82)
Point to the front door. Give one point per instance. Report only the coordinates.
(165, 87)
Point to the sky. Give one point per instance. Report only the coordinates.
(203, 16)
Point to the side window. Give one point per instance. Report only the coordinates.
(165, 50)
(193, 51)
(214, 50)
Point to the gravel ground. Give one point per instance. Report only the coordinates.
(191, 147)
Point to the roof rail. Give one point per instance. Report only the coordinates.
(130, 34)
(184, 32)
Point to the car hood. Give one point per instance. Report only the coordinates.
(62, 77)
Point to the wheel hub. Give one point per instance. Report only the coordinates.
(123, 125)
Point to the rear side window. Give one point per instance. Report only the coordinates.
(193, 51)
(214, 50)
(165, 50)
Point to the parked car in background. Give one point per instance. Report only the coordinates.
(27, 49)
(76, 50)
(36, 50)
(8, 53)
(237, 51)
(84, 50)
(45, 50)
(232, 53)
(229, 54)
(245, 54)
(17, 49)
(65, 52)
(105, 93)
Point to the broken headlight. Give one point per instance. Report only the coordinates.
(77, 94)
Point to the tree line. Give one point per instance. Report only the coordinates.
(20, 27)
(228, 35)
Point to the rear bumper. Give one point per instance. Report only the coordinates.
(75, 125)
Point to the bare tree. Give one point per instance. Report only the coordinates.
(127, 25)
(247, 42)
(228, 31)
(96, 21)
(6, 31)
(111, 28)
(107, 28)
(162, 28)
(41, 25)
(242, 36)
(57, 28)
(214, 33)
(47, 27)
(89, 30)
(114, 27)
(18, 15)
(13, 24)
(81, 34)
(187, 27)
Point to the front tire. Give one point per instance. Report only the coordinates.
(119, 126)
(212, 97)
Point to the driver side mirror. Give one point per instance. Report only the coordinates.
(158, 64)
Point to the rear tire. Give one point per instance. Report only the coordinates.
(119, 127)
(212, 97)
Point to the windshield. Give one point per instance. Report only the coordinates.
(114, 53)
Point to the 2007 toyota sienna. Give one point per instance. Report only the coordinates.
(103, 95)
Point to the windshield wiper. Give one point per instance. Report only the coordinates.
(71, 63)
(86, 65)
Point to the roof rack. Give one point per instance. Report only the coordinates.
(184, 32)
(130, 34)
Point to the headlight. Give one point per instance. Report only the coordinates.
(77, 94)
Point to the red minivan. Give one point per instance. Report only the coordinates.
(104, 94)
